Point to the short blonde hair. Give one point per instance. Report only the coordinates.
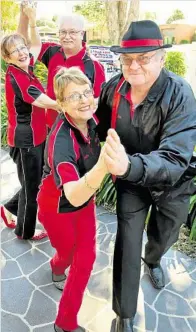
(8, 41)
(64, 77)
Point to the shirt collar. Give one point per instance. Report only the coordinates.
(80, 55)
(14, 67)
(92, 123)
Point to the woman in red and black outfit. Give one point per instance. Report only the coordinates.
(73, 171)
(26, 134)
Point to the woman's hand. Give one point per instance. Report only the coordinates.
(29, 9)
(101, 161)
(115, 156)
(23, 5)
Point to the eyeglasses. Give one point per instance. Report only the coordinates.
(17, 50)
(141, 60)
(71, 33)
(76, 97)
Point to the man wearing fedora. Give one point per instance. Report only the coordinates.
(153, 115)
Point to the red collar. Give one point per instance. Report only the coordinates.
(92, 123)
(14, 69)
(128, 96)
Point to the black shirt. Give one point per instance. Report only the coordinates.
(68, 156)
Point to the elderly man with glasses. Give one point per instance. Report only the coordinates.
(149, 149)
(70, 51)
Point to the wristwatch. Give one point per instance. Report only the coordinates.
(124, 176)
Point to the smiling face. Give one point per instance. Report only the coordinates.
(142, 68)
(18, 55)
(79, 102)
(14, 50)
(71, 33)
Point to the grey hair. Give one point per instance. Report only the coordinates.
(161, 52)
(75, 18)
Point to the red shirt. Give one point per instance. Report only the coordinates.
(68, 156)
(52, 55)
(26, 123)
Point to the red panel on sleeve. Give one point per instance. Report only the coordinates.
(67, 172)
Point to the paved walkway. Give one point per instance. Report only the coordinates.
(29, 300)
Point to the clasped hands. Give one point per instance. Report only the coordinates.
(28, 8)
(113, 155)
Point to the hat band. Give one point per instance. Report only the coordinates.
(141, 42)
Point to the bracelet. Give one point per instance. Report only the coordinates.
(87, 184)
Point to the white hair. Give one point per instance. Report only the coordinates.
(76, 19)
(161, 51)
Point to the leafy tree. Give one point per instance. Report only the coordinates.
(9, 11)
(115, 15)
(44, 22)
(177, 15)
(55, 18)
(150, 16)
(94, 12)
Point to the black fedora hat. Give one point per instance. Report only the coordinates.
(142, 36)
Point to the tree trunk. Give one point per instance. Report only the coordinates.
(132, 14)
(122, 17)
(112, 20)
(119, 15)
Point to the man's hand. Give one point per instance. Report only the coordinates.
(115, 156)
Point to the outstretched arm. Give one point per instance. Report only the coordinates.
(24, 24)
(29, 10)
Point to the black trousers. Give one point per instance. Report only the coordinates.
(162, 231)
(23, 204)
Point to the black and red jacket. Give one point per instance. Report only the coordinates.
(159, 135)
(52, 55)
(26, 123)
(68, 156)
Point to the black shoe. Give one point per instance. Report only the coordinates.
(124, 324)
(156, 275)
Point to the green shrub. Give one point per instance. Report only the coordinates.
(3, 120)
(194, 37)
(3, 65)
(175, 62)
(193, 231)
(184, 41)
(41, 72)
(106, 194)
(3, 70)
